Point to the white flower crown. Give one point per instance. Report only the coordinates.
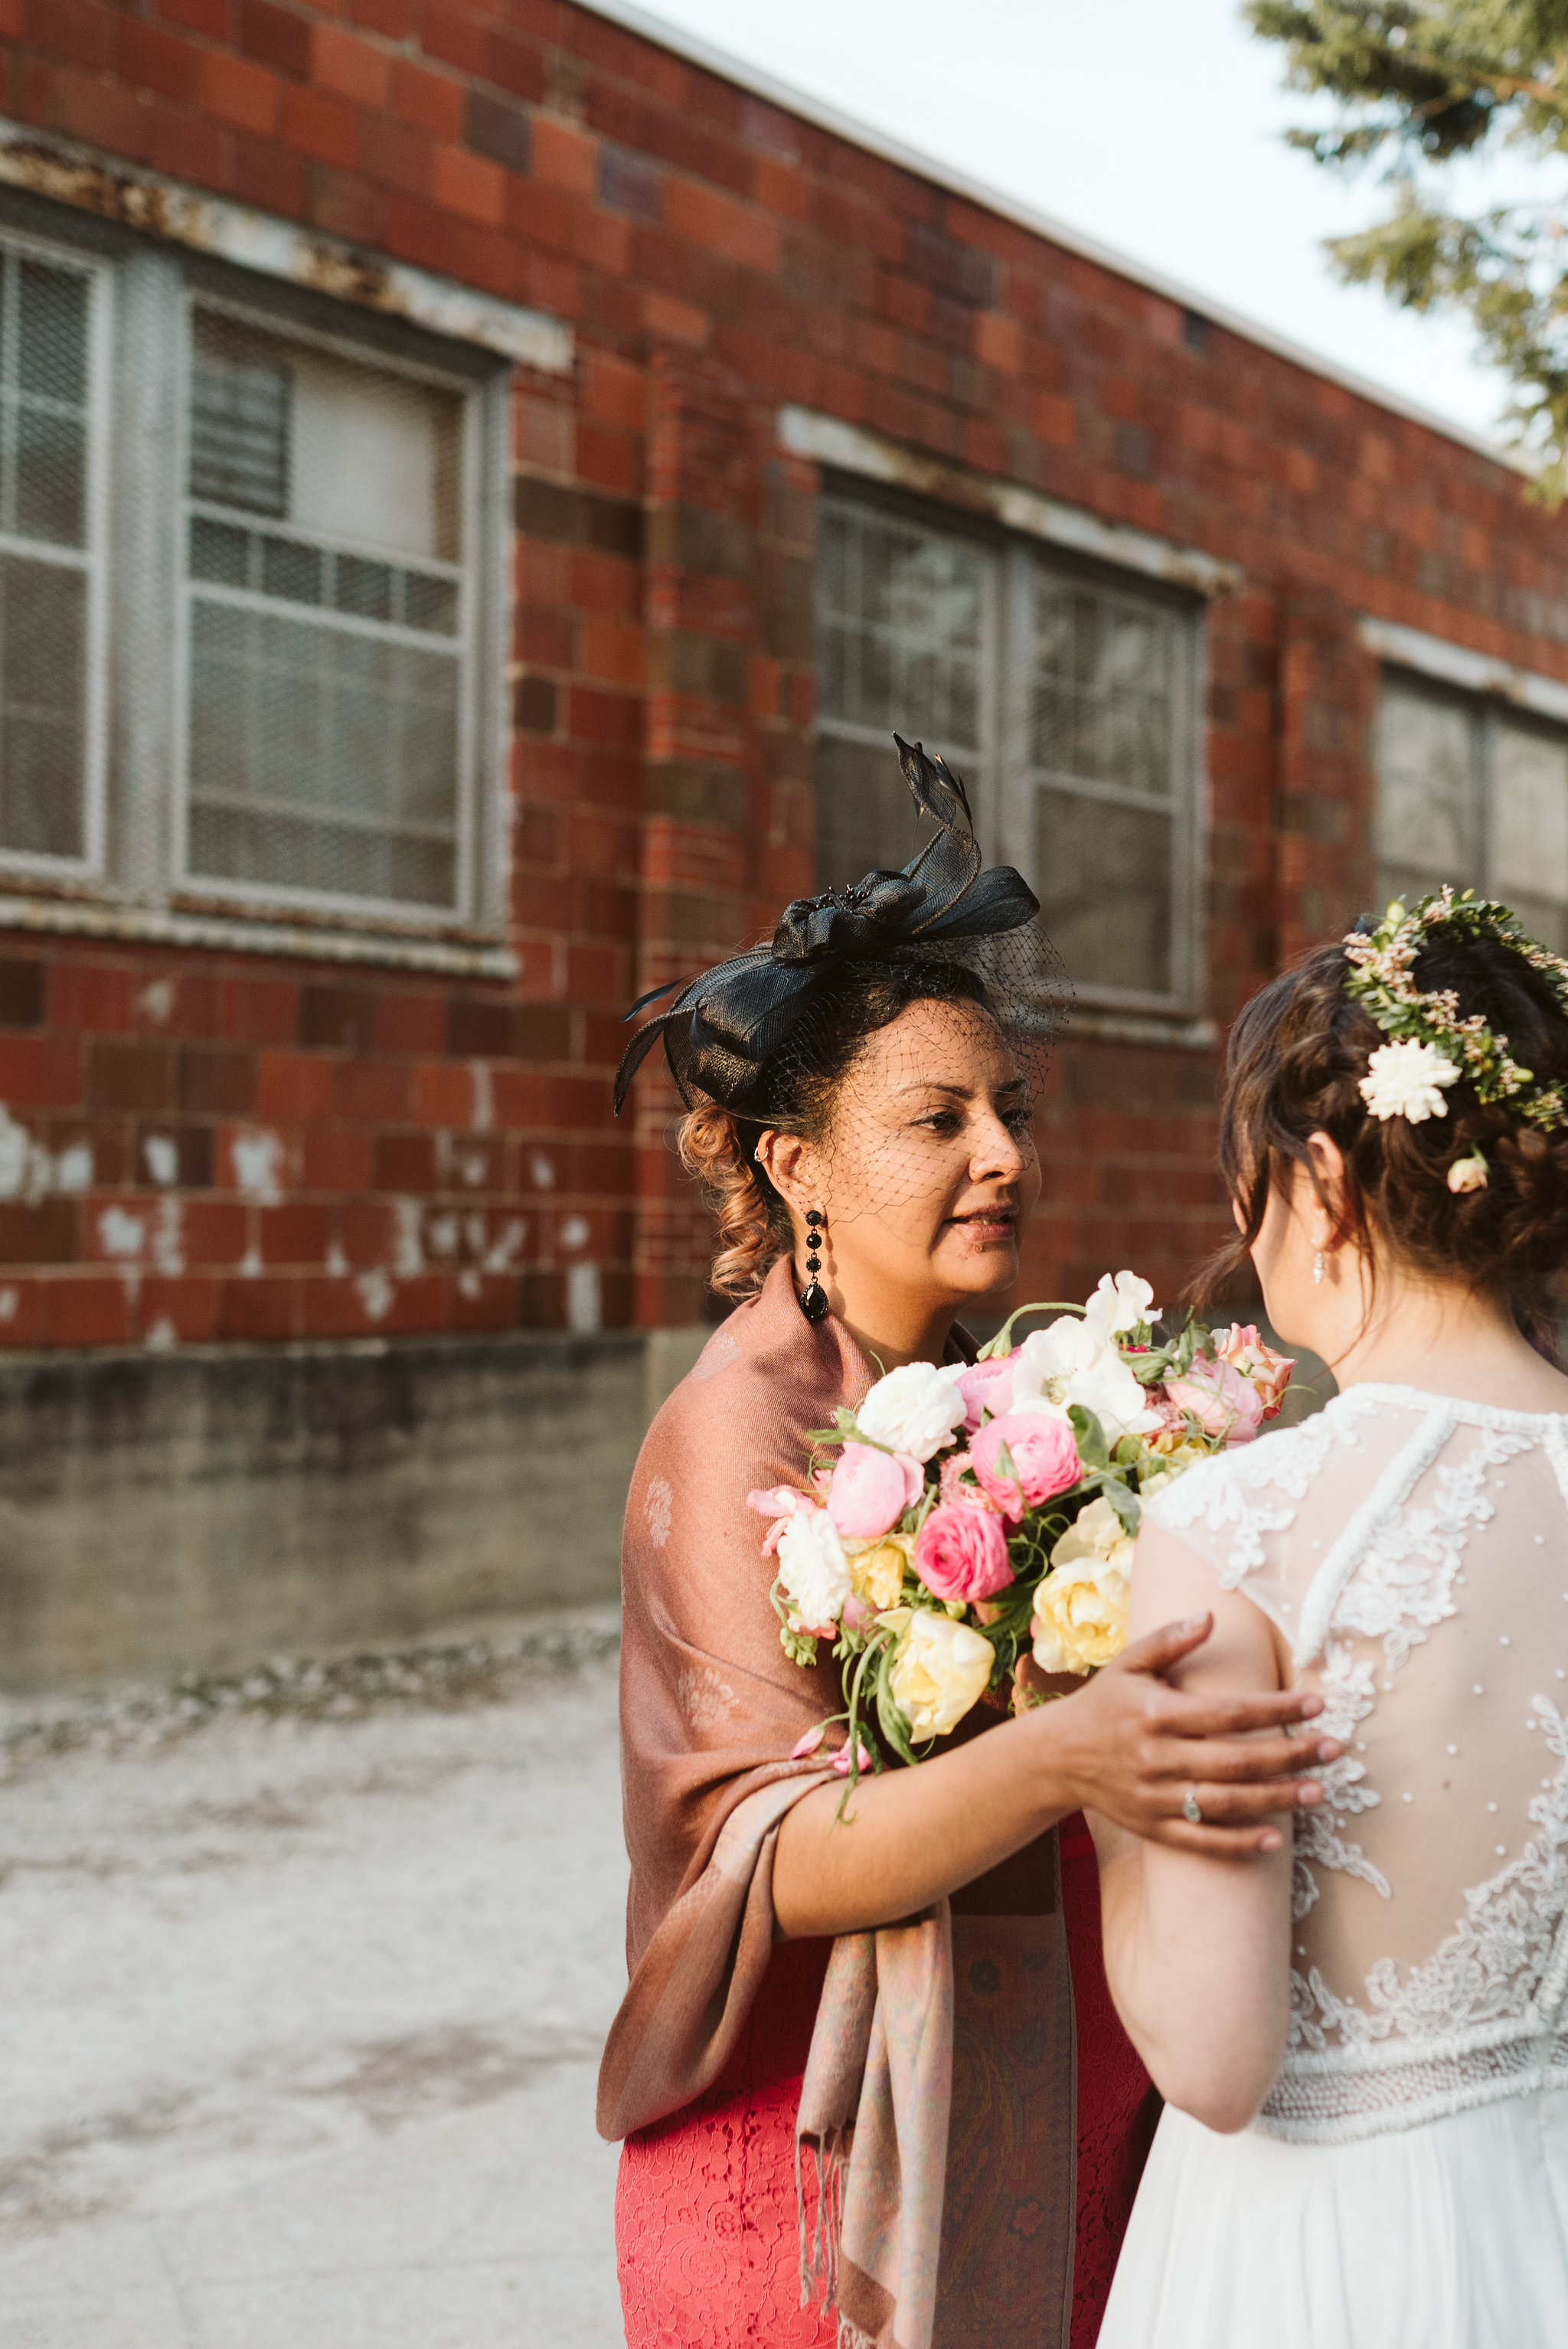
(1433, 1046)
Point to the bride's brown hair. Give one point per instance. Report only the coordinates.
(803, 1084)
(1294, 1067)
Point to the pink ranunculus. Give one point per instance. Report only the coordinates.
(871, 1490)
(1045, 1460)
(986, 1386)
(1224, 1404)
(1241, 1346)
(779, 1502)
(953, 1486)
(962, 1553)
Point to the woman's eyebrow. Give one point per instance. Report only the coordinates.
(960, 1093)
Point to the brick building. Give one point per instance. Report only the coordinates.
(479, 482)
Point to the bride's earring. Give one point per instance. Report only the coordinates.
(1317, 1266)
(814, 1304)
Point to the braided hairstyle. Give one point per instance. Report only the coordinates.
(1297, 1054)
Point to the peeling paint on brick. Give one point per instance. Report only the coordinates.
(831, 441)
(120, 191)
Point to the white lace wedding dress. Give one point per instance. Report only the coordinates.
(1406, 2184)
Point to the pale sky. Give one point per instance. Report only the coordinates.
(1152, 125)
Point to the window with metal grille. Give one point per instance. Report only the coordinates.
(253, 602)
(51, 555)
(1474, 791)
(1105, 781)
(326, 630)
(903, 640)
(1065, 699)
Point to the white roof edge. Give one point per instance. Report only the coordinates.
(792, 100)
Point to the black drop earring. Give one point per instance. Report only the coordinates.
(814, 1304)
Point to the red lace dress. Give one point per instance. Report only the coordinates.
(706, 2233)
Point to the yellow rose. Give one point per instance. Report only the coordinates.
(877, 1568)
(1080, 1608)
(940, 1669)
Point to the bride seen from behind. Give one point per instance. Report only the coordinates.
(1365, 2049)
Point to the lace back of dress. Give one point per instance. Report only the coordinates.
(1414, 1554)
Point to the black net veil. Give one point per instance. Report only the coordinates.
(829, 1028)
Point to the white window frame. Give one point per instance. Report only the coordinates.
(982, 780)
(94, 561)
(1485, 711)
(1184, 805)
(185, 883)
(131, 881)
(1004, 789)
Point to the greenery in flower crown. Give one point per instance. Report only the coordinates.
(1381, 979)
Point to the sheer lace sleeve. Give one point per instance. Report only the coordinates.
(1248, 1510)
(1412, 1550)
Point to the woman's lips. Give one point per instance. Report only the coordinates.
(989, 1223)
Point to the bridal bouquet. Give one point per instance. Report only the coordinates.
(966, 1511)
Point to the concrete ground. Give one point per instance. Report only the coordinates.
(305, 1980)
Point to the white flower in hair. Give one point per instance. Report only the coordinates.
(1406, 1080)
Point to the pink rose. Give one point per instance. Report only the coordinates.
(1242, 1347)
(1045, 1460)
(871, 1490)
(986, 1386)
(962, 1553)
(1224, 1404)
(953, 1485)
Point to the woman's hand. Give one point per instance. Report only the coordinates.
(1133, 1748)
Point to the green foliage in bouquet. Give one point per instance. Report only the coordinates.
(964, 1515)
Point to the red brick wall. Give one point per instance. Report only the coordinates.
(716, 257)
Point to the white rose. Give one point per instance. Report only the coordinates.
(1120, 1304)
(1404, 1080)
(813, 1568)
(940, 1670)
(915, 1409)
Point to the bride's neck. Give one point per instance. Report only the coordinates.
(1448, 1341)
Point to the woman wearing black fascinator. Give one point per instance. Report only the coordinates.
(896, 2005)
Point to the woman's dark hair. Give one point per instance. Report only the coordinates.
(801, 1088)
(1296, 1056)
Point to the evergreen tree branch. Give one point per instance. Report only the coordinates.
(1433, 80)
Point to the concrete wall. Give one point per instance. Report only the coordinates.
(206, 1507)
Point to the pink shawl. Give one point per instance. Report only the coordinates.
(936, 2113)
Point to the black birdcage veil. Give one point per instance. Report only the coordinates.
(767, 1034)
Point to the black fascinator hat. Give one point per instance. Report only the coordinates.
(725, 1028)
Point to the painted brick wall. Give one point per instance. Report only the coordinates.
(204, 1146)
